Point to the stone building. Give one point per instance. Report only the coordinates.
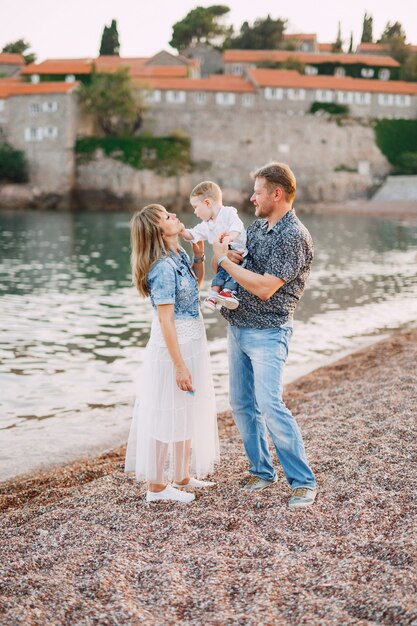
(41, 119)
(11, 64)
(209, 59)
(236, 122)
(161, 64)
(340, 65)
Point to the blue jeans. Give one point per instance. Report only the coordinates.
(256, 362)
(224, 280)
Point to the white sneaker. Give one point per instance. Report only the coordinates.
(195, 484)
(170, 493)
(210, 303)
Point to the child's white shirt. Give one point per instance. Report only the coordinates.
(227, 220)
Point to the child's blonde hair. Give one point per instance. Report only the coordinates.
(147, 244)
(207, 189)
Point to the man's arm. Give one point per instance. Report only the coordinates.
(262, 285)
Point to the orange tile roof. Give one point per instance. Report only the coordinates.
(138, 68)
(382, 47)
(215, 82)
(291, 78)
(7, 58)
(256, 56)
(136, 65)
(60, 66)
(325, 47)
(13, 88)
(300, 36)
(372, 47)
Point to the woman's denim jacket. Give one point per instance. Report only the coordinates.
(172, 281)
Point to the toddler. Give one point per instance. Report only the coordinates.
(206, 200)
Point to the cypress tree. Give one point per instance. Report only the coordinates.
(367, 35)
(110, 40)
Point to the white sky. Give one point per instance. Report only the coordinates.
(73, 28)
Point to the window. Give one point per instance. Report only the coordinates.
(384, 74)
(237, 69)
(33, 134)
(324, 95)
(310, 70)
(35, 78)
(273, 93)
(34, 109)
(200, 97)
(70, 78)
(224, 98)
(50, 107)
(296, 94)
(386, 99)
(401, 101)
(345, 97)
(247, 99)
(153, 96)
(340, 72)
(362, 97)
(177, 97)
(50, 132)
(367, 72)
(2, 106)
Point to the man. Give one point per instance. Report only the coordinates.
(280, 253)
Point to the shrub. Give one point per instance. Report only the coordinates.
(13, 165)
(397, 140)
(408, 163)
(166, 155)
(330, 107)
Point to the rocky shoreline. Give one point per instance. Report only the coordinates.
(24, 197)
(80, 546)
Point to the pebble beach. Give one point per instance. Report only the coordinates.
(80, 546)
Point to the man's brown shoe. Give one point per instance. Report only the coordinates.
(255, 483)
(302, 497)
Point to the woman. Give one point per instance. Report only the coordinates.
(174, 427)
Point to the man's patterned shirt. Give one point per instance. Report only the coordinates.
(285, 251)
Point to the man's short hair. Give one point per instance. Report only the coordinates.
(278, 175)
(207, 189)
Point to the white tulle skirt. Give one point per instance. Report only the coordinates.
(169, 426)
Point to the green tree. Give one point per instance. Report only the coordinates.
(202, 24)
(394, 35)
(20, 46)
(367, 27)
(13, 165)
(337, 45)
(265, 34)
(350, 50)
(110, 40)
(409, 68)
(113, 103)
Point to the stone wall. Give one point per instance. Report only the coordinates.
(332, 162)
(105, 183)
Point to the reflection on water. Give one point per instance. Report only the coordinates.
(73, 329)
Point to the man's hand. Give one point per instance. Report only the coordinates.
(220, 246)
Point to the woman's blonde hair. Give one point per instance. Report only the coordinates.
(147, 244)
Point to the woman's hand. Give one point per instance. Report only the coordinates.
(183, 378)
(198, 248)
